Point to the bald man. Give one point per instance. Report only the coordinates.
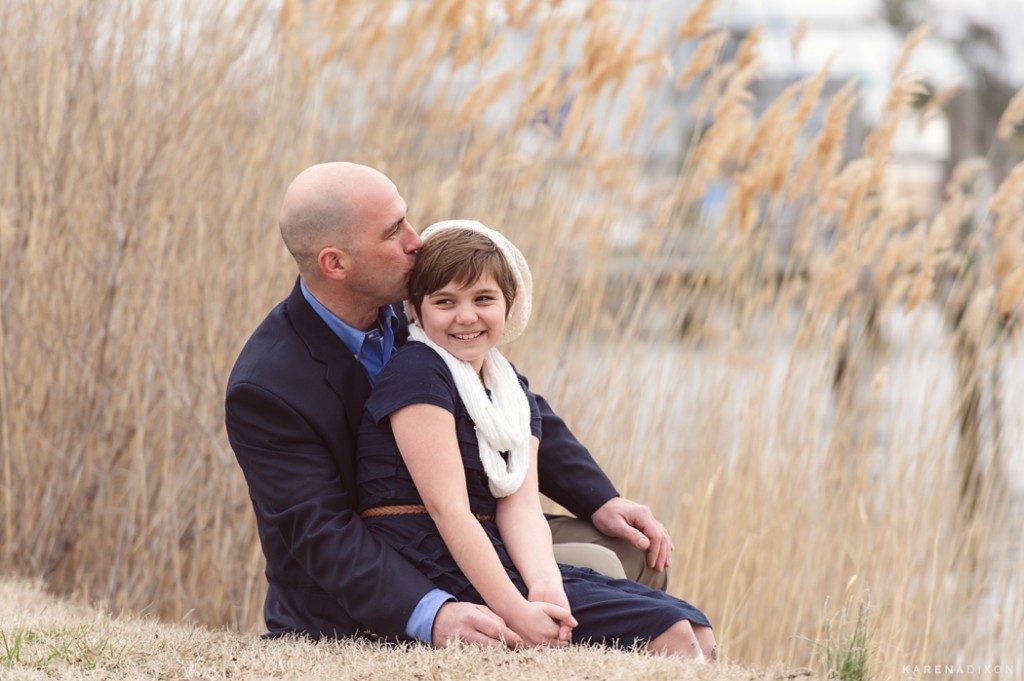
(295, 399)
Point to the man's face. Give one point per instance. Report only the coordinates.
(384, 250)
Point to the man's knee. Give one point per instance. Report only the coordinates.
(633, 561)
(597, 558)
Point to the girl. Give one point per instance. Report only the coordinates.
(448, 468)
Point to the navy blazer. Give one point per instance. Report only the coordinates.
(295, 399)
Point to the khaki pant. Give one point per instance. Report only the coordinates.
(579, 543)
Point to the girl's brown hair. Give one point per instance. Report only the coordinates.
(461, 256)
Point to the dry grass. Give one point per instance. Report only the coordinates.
(44, 638)
(773, 398)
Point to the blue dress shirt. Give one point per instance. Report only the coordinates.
(373, 349)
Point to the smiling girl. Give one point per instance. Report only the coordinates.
(448, 462)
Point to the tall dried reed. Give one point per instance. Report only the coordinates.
(145, 147)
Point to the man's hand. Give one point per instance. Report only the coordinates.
(636, 524)
(471, 623)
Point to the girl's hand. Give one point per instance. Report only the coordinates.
(541, 623)
(555, 594)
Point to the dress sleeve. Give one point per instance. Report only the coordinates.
(415, 375)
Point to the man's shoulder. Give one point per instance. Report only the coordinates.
(271, 332)
(276, 352)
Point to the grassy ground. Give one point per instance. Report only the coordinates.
(42, 637)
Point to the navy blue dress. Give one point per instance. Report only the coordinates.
(615, 612)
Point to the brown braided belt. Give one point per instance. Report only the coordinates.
(409, 509)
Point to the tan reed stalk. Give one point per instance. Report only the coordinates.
(696, 22)
(746, 53)
(937, 245)
(879, 142)
(1010, 292)
(935, 104)
(910, 45)
(705, 56)
(824, 152)
(771, 120)
(796, 38)
(810, 95)
(633, 116)
(484, 95)
(1011, 118)
(1007, 203)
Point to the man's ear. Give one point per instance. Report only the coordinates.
(333, 262)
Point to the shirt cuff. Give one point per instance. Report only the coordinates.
(421, 621)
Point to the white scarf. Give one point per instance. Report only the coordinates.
(502, 422)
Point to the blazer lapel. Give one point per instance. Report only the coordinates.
(342, 372)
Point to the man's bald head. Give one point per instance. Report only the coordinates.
(324, 206)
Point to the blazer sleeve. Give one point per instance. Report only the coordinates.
(304, 508)
(568, 473)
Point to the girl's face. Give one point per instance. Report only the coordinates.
(467, 321)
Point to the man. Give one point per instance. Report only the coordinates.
(295, 399)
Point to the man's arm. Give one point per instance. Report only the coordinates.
(570, 476)
(568, 473)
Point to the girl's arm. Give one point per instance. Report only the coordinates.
(527, 536)
(426, 438)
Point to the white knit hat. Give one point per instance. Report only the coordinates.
(523, 304)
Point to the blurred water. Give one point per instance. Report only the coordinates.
(924, 361)
(910, 386)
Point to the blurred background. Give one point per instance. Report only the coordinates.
(777, 251)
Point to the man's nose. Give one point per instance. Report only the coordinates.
(414, 242)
